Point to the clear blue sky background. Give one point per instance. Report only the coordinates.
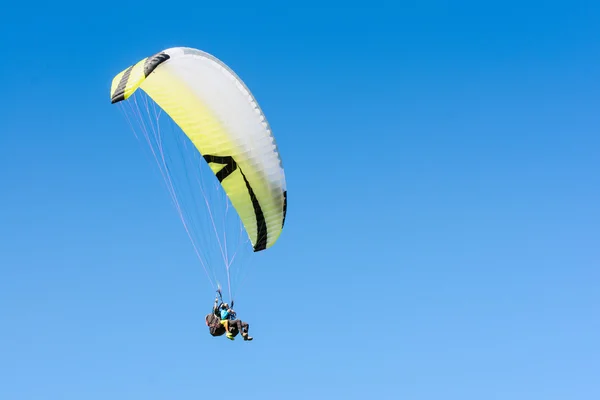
(442, 235)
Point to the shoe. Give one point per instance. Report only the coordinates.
(230, 336)
(246, 337)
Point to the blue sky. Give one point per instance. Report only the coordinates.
(442, 233)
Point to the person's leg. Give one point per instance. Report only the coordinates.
(226, 323)
(241, 327)
(244, 326)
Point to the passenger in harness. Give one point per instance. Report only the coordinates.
(230, 323)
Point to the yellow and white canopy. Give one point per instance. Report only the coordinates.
(217, 112)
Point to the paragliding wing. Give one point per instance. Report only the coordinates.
(217, 112)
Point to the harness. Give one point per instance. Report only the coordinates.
(212, 321)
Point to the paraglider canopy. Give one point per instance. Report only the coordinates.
(222, 119)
